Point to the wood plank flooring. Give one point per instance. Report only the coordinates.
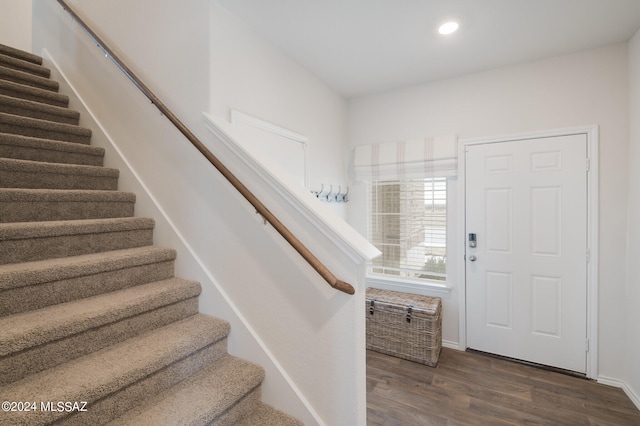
(474, 389)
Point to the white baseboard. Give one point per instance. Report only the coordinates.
(633, 396)
(451, 345)
(604, 380)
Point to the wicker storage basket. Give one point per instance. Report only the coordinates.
(407, 326)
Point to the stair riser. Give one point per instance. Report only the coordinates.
(267, 415)
(119, 402)
(43, 96)
(39, 296)
(25, 250)
(45, 133)
(33, 180)
(241, 409)
(48, 211)
(13, 368)
(50, 156)
(28, 79)
(41, 115)
(24, 66)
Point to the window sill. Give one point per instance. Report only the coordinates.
(427, 288)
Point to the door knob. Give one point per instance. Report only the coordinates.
(472, 258)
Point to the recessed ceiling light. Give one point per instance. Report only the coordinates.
(448, 28)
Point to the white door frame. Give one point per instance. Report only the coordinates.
(592, 228)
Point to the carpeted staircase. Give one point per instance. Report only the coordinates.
(90, 310)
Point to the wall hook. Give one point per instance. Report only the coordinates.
(331, 196)
(317, 193)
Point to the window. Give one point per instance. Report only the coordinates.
(408, 224)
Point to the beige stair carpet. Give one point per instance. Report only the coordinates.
(94, 326)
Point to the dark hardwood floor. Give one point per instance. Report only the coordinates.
(475, 389)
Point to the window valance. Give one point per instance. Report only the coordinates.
(415, 158)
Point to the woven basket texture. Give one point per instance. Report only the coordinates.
(392, 329)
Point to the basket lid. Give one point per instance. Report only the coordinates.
(398, 298)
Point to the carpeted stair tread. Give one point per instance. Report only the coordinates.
(34, 285)
(38, 358)
(102, 374)
(40, 175)
(90, 309)
(32, 109)
(28, 79)
(64, 195)
(30, 205)
(24, 91)
(10, 164)
(200, 399)
(25, 66)
(26, 126)
(43, 271)
(29, 329)
(20, 54)
(48, 150)
(30, 241)
(265, 415)
(28, 230)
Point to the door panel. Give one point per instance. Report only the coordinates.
(546, 305)
(498, 300)
(498, 217)
(546, 221)
(526, 201)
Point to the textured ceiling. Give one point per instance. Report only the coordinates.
(359, 47)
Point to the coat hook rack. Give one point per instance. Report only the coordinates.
(331, 196)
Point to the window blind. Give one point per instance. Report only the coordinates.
(409, 159)
(407, 223)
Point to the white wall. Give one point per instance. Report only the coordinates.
(214, 64)
(574, 90)
(633, 278)
(15, 23)
(249, 75)
(165, 43)
(308, 336)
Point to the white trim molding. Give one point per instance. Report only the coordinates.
(451, 345)
(633, 396)
(426, 288)
(344, 237)
(239, 119)
(592, 134)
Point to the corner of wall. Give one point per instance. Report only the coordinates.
(632, 349)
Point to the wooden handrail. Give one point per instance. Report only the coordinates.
(237, 184)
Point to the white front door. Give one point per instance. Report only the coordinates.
(526, 288)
